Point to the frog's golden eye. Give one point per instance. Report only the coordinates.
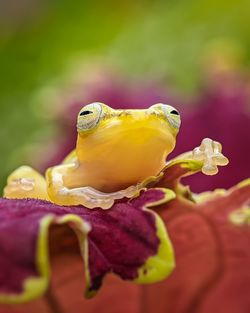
(172, 115)
(89, 116)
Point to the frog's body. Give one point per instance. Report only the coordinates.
(116, 150)
(125, 148)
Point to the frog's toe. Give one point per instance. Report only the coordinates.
(209, 169)
(221, 160)
(209, 152)
(18, 186)
(25, 182)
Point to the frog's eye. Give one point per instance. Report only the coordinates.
(175, 112)
(85, 113)
(89, 116)
(172, 115)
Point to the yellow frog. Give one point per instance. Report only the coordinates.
(116, 151)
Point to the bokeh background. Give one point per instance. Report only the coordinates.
(56, 56)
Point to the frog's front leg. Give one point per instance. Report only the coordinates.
(85, 195)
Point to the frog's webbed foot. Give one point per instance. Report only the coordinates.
(25, 182)
(210, 154)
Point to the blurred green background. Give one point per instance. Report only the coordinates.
(40, 41)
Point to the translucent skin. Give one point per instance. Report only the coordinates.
(116, 151)
(123, 149)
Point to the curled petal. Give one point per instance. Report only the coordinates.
(128, 240)
(171, 175)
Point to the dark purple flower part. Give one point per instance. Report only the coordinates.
(128, 240)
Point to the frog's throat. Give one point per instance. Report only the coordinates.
(124, 155)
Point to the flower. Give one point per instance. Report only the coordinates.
(129, 240)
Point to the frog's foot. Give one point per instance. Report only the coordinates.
(25, 182)
(82, 195)
(209, 152)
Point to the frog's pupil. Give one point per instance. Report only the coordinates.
(85, 113)
(175, 112)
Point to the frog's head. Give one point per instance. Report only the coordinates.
(134, 143)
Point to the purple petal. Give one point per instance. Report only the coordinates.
(120, 240)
